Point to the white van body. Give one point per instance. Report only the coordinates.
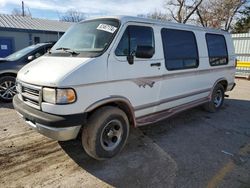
(145, 90)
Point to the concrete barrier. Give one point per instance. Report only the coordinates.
(243, 69)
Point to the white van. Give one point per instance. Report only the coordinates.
(108, 74)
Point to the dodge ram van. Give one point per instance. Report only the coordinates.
(109, 74)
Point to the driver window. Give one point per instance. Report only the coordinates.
(134, 36)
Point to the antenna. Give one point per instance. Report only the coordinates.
(22, 8)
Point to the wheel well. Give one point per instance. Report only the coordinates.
(8, 74)
(224, 84)
(121, 105)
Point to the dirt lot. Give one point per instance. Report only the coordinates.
(192, 149)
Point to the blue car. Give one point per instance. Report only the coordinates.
(10, 65)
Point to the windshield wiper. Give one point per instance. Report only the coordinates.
(68, 50)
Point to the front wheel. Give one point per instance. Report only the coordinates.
(106, 133)
(217, 99)
(7, 88)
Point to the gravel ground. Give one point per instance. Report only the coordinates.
(192, 149)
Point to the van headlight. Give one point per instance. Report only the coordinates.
(59, 96)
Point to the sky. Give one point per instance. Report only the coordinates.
(53, 9)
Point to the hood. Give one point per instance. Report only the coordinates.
(49, 71)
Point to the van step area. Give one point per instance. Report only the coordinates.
(158, 116)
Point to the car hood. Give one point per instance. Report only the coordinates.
(49, 71)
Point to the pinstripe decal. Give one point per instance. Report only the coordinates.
(144, 81)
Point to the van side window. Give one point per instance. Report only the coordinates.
(139, 36)
(217, 49)
(180, 49)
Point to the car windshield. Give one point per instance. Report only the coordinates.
(21, 53)
(89, 38)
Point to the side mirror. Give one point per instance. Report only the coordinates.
(31, 57)
(130, 58)
(144, 52)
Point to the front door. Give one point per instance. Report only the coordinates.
(135, 81)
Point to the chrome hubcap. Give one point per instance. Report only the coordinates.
(111, 135)
(7, 90)
(218, 98)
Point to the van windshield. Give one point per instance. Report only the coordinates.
(88, 38)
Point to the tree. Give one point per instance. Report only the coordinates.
(205, 16)
(182, 10)
(243, 24)
(219, 13)
(18, 12)
(158, 15)
(73, 16)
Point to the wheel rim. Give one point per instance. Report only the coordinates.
(7, 90)
(111, 135)
(218, 98)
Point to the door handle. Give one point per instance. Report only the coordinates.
(155, 64)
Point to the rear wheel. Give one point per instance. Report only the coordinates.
(7, 88)
(217, 99)
(106, 133)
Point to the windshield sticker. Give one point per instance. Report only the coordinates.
(107, 28)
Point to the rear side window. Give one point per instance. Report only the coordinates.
(180, 49)
(139, 36)
(217, 49)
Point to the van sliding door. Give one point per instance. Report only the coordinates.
(182, 83)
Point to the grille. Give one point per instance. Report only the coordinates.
(30, 94)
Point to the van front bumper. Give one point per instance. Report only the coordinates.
(57, 127)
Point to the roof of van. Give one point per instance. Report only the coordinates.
(125, 19)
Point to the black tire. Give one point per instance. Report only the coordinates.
(105, 133)
(7, 88)
(217, 99)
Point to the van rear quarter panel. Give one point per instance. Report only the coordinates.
(230, 75)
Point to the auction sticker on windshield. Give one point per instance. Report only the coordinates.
(107, 28)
